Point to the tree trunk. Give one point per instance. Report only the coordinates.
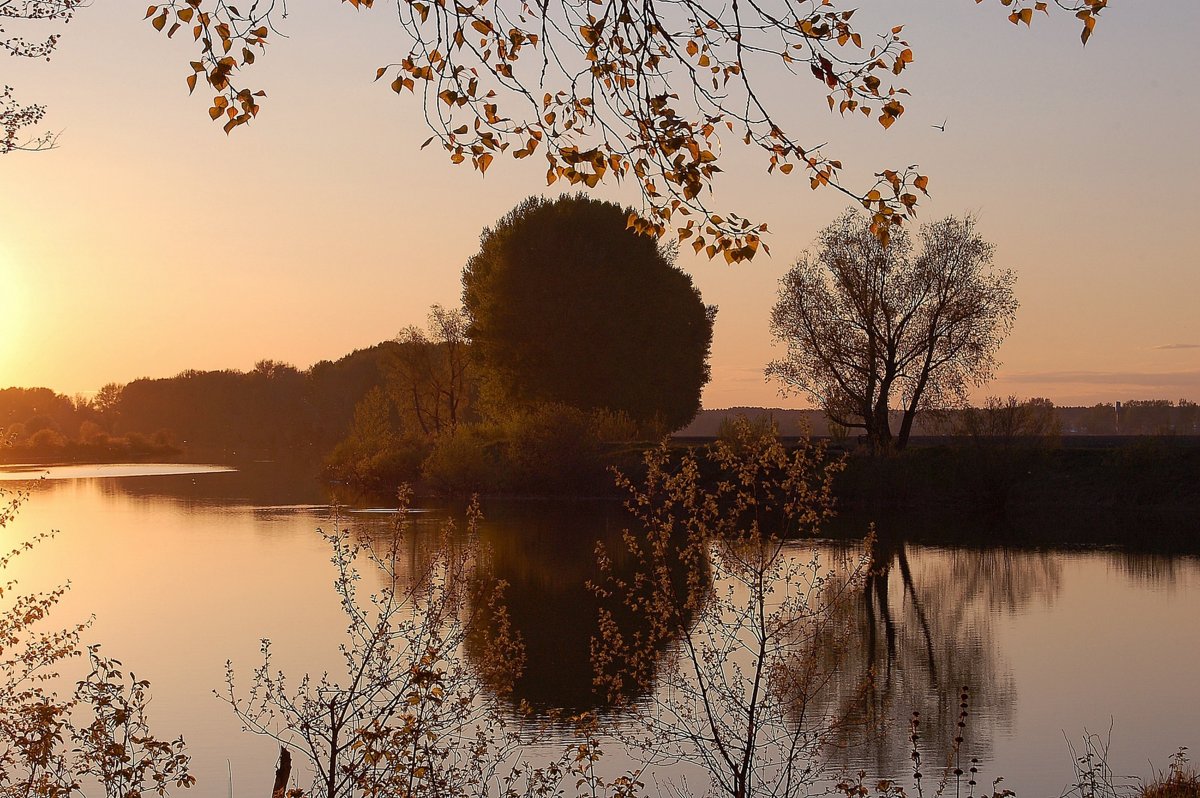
(881, 433)
(282, 773)
(905, 428)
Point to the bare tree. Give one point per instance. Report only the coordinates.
(430, 371)
(869, 326)
(608, 89)
(15, 117)
(405, 715)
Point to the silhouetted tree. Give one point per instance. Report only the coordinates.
(1100, 419)
(732, 614)
(50, 743)
(430, 371)
(1146, 417)
(1009, 419)
(1187, 417)
(613, 90)
(567, 305)
(37, 409)
(868, 325)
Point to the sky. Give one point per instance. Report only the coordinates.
(150, 242)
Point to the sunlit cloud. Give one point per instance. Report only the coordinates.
(741, 375)
(1178, 346)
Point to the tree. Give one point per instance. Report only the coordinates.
(608, 89)
(1146, 417)
(1011, 419)
(868, 326)
(405, 715)
(567, 305)
(430, 371)
(741, 625)
(1100, 419)
(14, 117)
(419, 707)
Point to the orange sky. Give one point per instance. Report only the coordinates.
(150, 242)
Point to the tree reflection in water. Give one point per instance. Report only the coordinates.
(546, 555)
(924, 628)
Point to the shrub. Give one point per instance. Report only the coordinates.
(46, 441)
(462, 461)
(613, 426)
(553, 449)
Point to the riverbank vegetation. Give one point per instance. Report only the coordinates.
(56, 741)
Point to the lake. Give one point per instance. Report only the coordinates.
(185, 568)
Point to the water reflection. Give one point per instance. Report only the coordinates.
(923, 629)
(545, 552)
(185, 571)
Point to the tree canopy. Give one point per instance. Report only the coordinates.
(429, 372)
(869, 326)
(567, 305)
(605, 89)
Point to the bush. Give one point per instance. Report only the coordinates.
(462, 462)
(46, 441)
(735, 430)
(553, 449)
(380, 468)
(614, 426)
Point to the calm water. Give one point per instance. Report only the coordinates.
(186, 568)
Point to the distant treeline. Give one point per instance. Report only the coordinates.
(274, 406)
(998, 417)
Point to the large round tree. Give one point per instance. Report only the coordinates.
(568, 305)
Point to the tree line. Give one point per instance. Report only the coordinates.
(270, 407)
(576, 335)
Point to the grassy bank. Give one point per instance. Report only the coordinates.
(1144, 493)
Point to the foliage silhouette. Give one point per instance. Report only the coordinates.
(430, 372)
(378, 453)
(566, 305)
(405, 714)
(617, 91)
(15, 117)
(867, 325)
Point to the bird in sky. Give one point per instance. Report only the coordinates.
(941, 127)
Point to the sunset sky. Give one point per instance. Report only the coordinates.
(150, 242)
